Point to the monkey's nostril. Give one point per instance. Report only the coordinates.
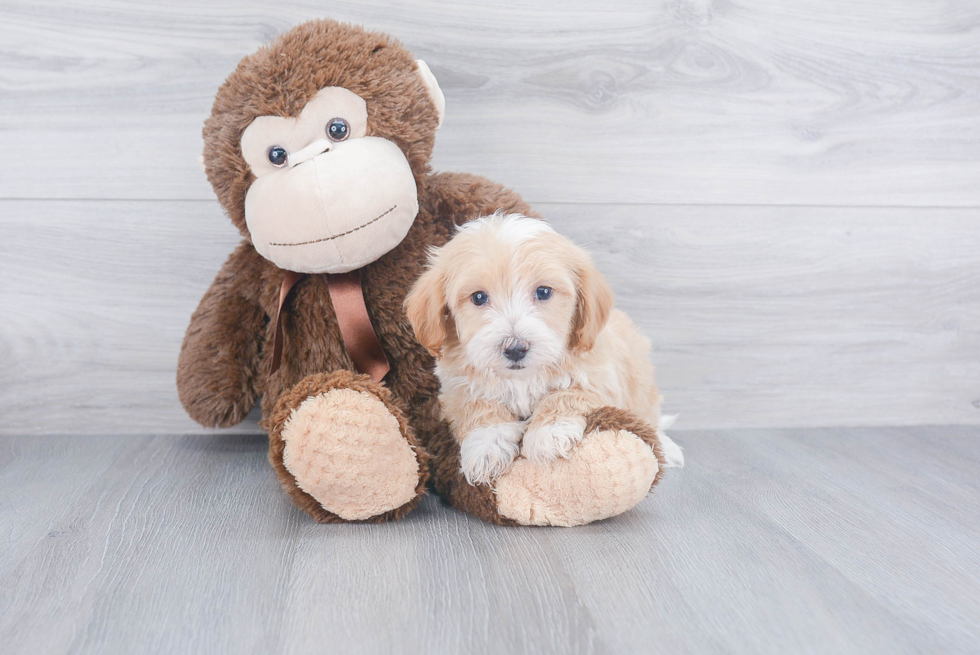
(516, 350)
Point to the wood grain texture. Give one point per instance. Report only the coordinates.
(760, 316)
(811, 541)
(670, 101)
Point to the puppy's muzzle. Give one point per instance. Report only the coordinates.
(515, 349)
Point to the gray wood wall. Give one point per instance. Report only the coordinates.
(785, 195)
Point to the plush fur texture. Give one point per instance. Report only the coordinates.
(225, 358)
(281, 78)
(321, 385)
(346, 449)
(614, 466)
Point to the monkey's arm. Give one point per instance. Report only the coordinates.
(464, 197)
(219, 359)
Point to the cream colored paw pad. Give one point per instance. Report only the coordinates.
(606, 474)
(346, 450)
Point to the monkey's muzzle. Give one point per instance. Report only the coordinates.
(335, 208)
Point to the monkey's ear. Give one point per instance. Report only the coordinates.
(432, 86)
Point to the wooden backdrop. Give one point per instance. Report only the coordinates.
(785, 195)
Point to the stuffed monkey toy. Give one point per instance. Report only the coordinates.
(318, 149)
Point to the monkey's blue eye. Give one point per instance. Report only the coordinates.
(480, 298)
(338, 129)
(278, 156)
(543, 293)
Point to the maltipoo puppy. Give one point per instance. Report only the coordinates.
(527, 343)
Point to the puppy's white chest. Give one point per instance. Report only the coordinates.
(522, 396)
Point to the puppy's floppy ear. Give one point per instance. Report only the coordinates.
(426, 308)
(593, 304)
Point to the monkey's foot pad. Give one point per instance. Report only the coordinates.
(607, 473)
(345, 450)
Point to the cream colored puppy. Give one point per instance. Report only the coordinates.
(527, 344)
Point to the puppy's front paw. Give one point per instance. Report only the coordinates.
(555, 439)
(487, 452)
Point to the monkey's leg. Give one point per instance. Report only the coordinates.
(344, 451)
(609, 471)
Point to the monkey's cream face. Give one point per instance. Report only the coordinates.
(326, 198)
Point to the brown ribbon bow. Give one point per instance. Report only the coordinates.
(356, 331)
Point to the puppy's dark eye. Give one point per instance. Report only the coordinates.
(278, 156)
(338, 129)
(543, 293)
(480, 298)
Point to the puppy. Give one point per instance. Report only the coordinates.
(527, 344)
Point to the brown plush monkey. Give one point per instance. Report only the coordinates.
(318, 148)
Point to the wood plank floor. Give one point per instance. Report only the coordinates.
(771, 541)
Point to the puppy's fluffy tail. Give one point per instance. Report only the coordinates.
(673, 453)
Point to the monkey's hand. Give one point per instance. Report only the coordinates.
(219, 359)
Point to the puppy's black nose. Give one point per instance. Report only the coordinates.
(515, 350)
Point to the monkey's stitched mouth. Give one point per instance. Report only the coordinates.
(337, 236)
